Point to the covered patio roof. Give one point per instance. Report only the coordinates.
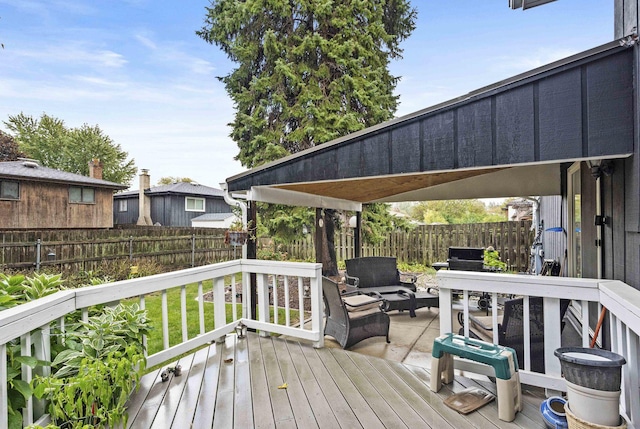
(507, 139)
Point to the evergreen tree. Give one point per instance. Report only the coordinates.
(308, 71)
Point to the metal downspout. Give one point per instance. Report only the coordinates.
(243, 208)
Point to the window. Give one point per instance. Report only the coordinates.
(9, 190)
(79, 194)
(122, 205)
(194, 204)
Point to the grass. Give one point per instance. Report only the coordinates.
(153, 305)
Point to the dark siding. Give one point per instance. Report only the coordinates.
(375, 155)
(130, 216)
(553, 214)
(560, 116)
(405, 148)
(169, 210)
(514, 126)
(610, 106)
(438, 141)
(475, 141)
(348, 159)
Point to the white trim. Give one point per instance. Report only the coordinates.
(268, 194)
(571, 261)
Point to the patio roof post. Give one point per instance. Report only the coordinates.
(319, 235)
(357, 237)
(252, 253)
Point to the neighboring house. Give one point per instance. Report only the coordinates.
(214, 220)
(167, 205)
(519, 209)
(34, 197)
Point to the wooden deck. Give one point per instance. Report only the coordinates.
(274, 383)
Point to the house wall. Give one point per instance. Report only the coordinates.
(553, 212)
(130, 217)
(168, 210)
(46, 205)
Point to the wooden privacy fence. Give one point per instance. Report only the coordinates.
(427, 244)
(85, 250)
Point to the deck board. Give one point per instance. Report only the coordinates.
(203, 416)
(259, 387)
(313, 392)
(194, 375)
(234, 384)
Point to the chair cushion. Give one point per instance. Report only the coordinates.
(357, 303)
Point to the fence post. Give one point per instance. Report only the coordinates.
(38, 245)
(193, 250)
(130, 248)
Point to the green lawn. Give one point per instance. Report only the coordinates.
(154, 311)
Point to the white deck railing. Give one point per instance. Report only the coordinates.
(31, 323)
(623, 311)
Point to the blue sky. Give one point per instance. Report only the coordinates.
(137, 69)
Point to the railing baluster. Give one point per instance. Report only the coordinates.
(201, 307)
(25, 350)
(301, 300)
(219, 311)
(183, 312)
(526, 332)
(41, 339)
(631, 375)
(165, 320)
(274, 288)
(287, 316)
(263, 300)
(234, 298)
(584, 308)
(143, 306)
(4, 382)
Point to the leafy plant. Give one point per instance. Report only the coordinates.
(492, 259)
(41, 285)
(10, 290)
(100, 367)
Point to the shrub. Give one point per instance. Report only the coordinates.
(101, 365)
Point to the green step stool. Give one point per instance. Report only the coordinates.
(503, 360)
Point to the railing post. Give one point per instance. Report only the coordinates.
(316, 308)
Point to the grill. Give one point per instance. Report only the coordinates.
(466, 258)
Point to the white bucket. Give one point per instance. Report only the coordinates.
(594, 406)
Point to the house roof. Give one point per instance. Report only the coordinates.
(507, 139)
(183, 188)
(31, 170)
(213, 217)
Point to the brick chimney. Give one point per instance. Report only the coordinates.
(95, 168)
(144, 202)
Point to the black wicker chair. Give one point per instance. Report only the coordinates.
(511, 328)
(380, 274)
(354, 320)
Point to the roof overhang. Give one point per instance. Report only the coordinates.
(508, 139)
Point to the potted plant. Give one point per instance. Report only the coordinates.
(236, 235)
